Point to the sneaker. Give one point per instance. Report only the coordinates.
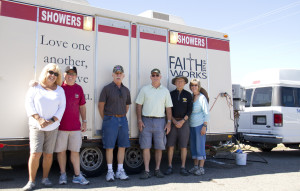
(46, 182)
(193, 170)
(80, 180)
(183, 172)
(158, 174)
(145, 175)
(63, 179)
(199, 172)
(110, 176)
(121, 174)
(169, 171)
(29, 186)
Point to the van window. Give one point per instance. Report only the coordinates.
(262, 97)
(298, 96)
(248, 97)
(287, 97)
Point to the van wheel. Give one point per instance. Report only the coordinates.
(133, 162)
(92, 161)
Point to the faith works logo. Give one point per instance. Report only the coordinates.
(188, 66)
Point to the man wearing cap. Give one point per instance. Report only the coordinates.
(180, 130)
(152, 101)
(69, 134)
(113, 105)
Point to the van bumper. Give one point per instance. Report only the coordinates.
(260, 138)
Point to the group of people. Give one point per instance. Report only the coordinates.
(163, 118)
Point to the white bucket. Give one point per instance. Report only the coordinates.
(241, 158)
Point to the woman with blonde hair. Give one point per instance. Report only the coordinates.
(45, 105)
(198, 126)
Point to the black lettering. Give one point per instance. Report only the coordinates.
(171, 62)
(178, 63)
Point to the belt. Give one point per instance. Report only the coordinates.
(117, 115)
(178, 118)
(153, 117)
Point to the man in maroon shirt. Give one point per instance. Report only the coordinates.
(69, 134)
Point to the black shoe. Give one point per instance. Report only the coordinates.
(184, 172)
(169, 171)
(145, 175)
(158, 174)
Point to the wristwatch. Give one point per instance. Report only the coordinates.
(52, 119)
(84, 121)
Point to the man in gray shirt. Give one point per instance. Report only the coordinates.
(113, 105)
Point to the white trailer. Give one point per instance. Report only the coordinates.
(34, 33)
(272, 110)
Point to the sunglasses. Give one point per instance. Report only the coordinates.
(194, 85)
(53, 73)
(71, 74)
(155, 75)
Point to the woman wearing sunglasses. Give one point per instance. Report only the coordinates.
(198, 126)
(45, 105)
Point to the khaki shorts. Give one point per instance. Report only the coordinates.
(42, 141)
(68, 140)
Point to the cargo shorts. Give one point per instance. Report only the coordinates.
(154, 129)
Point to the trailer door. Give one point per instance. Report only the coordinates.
(152, 53)
(112, 48)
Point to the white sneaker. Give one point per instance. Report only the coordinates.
(121, 174)
(199, 172)
(46, 182)
(63, 179)
(194, 169)
(80, 180)
(29, 186)
(110, 176)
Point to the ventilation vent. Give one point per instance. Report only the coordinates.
(161, 16)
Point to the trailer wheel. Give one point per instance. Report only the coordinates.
(92, 161)
(133, 162)
(266, 149)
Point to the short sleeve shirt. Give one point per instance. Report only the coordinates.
(74, 99)
(115, 99)
(154, 100)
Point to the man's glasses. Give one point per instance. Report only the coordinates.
(155, 75)
(71, 74)
(53, 73)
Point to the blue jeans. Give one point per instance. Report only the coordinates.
(197, 143)
(113, 129)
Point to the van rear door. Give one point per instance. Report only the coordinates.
(262, 113)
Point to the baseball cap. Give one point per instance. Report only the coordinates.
(71, 68)
(118, 68)
(155, 70)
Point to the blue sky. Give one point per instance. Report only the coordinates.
(263, 33)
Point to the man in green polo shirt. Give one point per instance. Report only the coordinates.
(152, 102)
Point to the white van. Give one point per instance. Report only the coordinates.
(272, 110)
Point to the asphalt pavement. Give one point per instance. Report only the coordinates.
(276, 170)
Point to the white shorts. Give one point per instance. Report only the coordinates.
(68, 140)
